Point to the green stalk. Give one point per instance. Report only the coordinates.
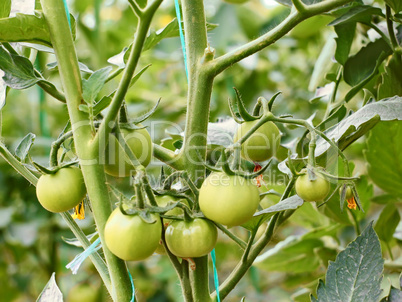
(199, 89)
(93, 172)
(198, 102)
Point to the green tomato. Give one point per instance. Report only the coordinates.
(83, 292)
(262, 144)
(117, 163)
(312, 190)
(228, 200)
(130, 238)
(61, 191)
(191, 239)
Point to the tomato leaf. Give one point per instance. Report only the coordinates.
(290, 203)
(18, 71)
(396, 5)
(395, 295)
(294, 254)
(387, 222)
(51, 292)
(360, 66)
(24, 146)
(356, 273)
(361, 13)
(384, 156)
(94, 84)
(391, 78)
(345, 33)
(360, 122)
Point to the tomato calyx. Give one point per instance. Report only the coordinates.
(348, 193)
(229, 171)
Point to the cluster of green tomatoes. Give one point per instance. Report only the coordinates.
(229, 200)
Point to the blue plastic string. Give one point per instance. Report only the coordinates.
(216, 281)
(79, 259)
(183, 44)
(132, 287)
(67, 12)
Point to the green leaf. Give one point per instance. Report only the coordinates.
(345, 33)
(384, 156)
(25, 28)
(391, 78)
(94, 84)
(294, 254)
(360, 66)
(106, 100)
(396, 5)
(356, 273)
(361, 13)
(290, 203)
(24, 146)
(5, 8)
(395, 295)
(155, 37)
(360, 122)
(19, 71)
(51, 292)
(385, 199)
(387, 222)
(53, 66)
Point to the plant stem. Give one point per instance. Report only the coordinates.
(108, 122)
(168, 157)
(199, 280)
(93, 172)
(55, 148)
(199, 89)
(236, 239)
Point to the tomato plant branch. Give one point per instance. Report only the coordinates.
(232, 236)
(55, 147)
(97, 260)
(299, 5)
(93, 172)
(167, 156)
(136, 8)
(143, 26)
(221, 63)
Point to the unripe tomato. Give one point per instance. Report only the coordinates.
(162, 201)
(312, 190)
(191, 239)
(61, 191)
(140, 144)
(228, 200)
(130, 238)
(262, 144)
